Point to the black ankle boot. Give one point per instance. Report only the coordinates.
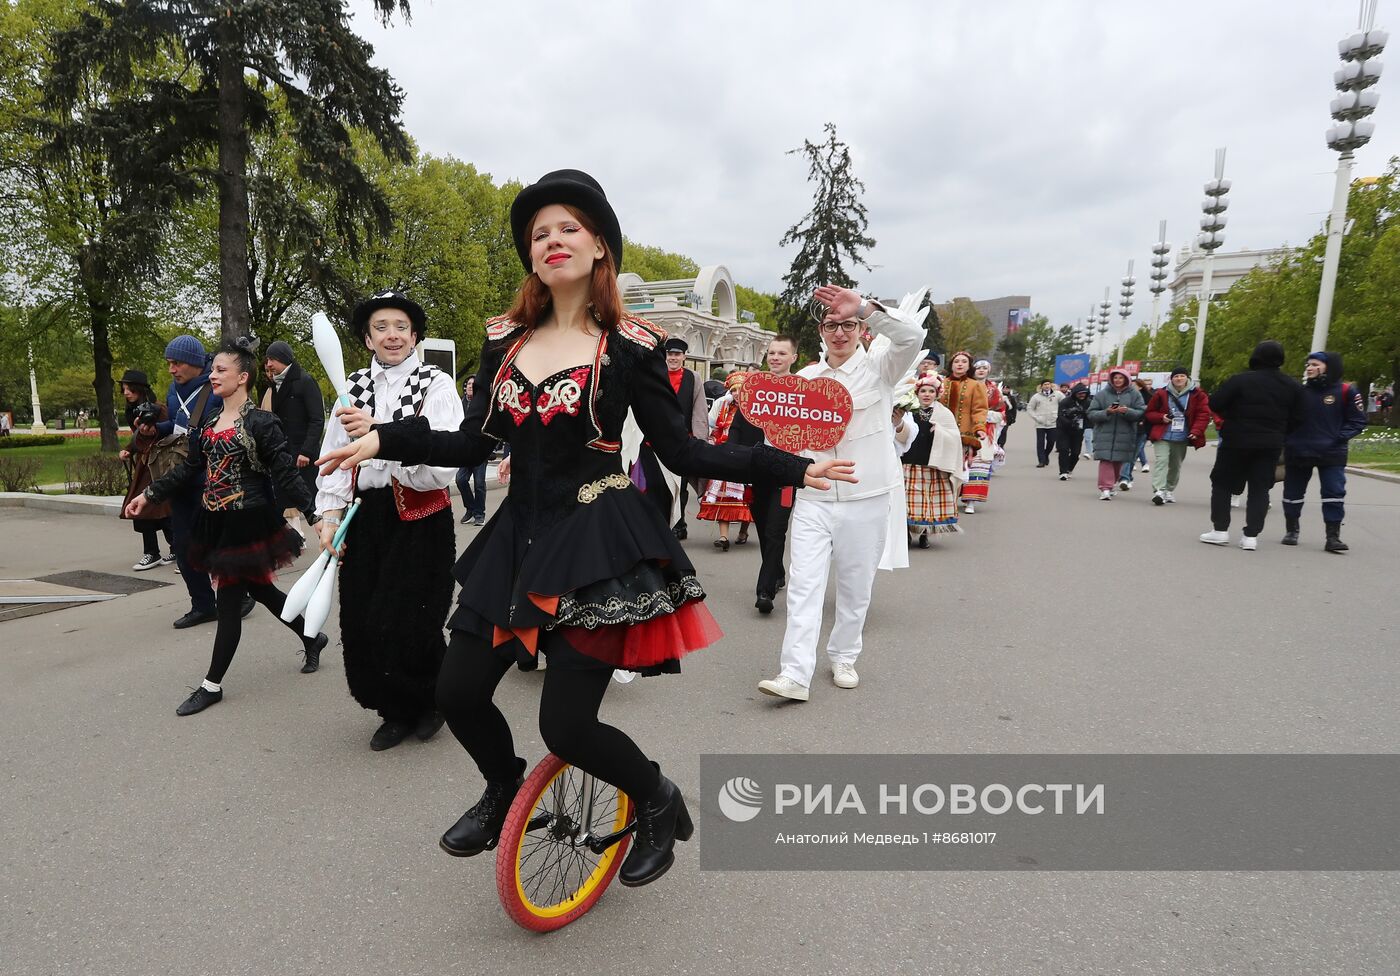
(480, 827)
(1334, 538)
(1290, 535)
(313, 654)
(662, 820)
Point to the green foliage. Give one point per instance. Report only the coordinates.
(19, 474)
(96, 474)
(831, 234)
(655, 264)
(1028, 354)
(16, 441)
(966, 329)
(763, 306)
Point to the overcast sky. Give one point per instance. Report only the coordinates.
(1008, 148)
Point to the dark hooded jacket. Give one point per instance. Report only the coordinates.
(1259, 407)
(1332, 416)
(1073, 411)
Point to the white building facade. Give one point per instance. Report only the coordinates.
(705, 313)
(1228, 268)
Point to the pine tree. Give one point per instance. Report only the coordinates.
(237, 54)
(831, 235)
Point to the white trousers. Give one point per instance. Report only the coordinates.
(849, 536)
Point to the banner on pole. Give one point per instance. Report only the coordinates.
(1072, 368)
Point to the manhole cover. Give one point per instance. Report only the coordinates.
(84, 579)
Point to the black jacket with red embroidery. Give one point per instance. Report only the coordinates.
(581, 411)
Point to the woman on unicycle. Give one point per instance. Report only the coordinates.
(575, 564)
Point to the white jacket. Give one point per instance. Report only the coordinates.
(871, 377)
(1045, 410)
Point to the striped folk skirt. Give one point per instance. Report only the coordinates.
(725, 501)
(979, 474)
(931, 499)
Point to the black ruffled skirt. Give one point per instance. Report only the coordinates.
(242, 545)
(606, 586)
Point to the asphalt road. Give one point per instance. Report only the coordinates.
(263, 836)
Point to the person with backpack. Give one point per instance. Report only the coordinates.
(1177, 416)
(189, 402)
(1332, 416)
(1256, 410)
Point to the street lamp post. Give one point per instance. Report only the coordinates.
(38, 426)
(1160, 250)
(1104, 308)
(1211, 237)
(1358, 73)
(1125, 310)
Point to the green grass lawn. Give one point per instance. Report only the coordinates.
(1377, 447)
(56, 456)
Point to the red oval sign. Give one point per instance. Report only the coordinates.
(794, 413)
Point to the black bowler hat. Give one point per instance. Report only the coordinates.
(389, 298)
(675, 345)
(573, 187)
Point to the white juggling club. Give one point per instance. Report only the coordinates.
(299, 596)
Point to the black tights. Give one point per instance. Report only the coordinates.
(568, 719)
(229, 603)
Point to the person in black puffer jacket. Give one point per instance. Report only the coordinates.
(1072, 419)
(1258, 408)
(1332, 415)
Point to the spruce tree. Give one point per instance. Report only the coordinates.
(236, 54)
(831, 237)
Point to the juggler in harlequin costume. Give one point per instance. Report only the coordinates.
(575, 564)
(396, 558)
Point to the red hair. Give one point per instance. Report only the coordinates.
(532, 299)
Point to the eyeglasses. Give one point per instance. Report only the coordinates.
(830, 327)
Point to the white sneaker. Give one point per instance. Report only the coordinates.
(1159, 498)
(1171, 499)
(624, 677)
(1235, 501)
(1216, 538)
(147, 561)
(968, 510)
(1145, 469)
(1064, 477)
(1105, 495)
(1249, 543)
(167, 559)
(783, 687)
(1125, 486)
(844, 675)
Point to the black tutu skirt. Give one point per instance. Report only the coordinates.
(242, 545)
(606, 586)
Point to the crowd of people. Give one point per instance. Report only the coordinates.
(608, 432)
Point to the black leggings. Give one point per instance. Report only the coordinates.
(568, 719)
(229, 603)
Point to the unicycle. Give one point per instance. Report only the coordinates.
(563, 841)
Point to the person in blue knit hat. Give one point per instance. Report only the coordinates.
(188, 402)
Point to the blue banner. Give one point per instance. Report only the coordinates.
(1073, 368)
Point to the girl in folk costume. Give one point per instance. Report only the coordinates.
(239, 537)
(933, 464)
(966, 398)
(726, 501)
(396, 557)
(996, 413)
(575, 563)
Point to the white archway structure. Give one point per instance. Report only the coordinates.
(704, 311)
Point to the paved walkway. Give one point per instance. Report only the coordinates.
(263, 836)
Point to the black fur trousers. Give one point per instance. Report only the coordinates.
(395, 591)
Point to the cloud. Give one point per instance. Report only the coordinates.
(1021, 148)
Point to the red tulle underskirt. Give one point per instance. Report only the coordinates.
(650, 643)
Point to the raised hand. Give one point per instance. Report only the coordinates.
(842, 303)
(821, 474)
(350, 455)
